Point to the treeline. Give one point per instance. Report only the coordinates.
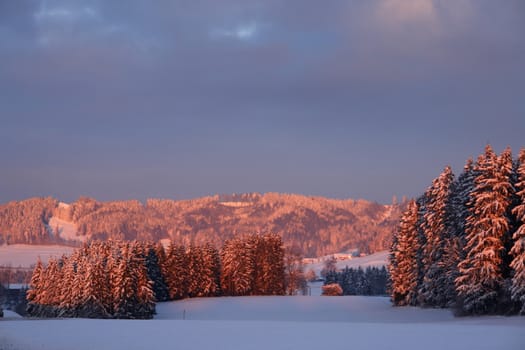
(462, 243)
(116, 279)
(315, 226)
(14, 275)
(359, 281)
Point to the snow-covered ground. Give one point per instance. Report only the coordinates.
(261, 323)
(26, 255)
(66, 230)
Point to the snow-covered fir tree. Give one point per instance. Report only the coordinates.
(269, 264)
(404, 265)
(480, 281)
(211, 271)
(96, 290)
(176, 272)
(437, 227)
(195, 258)
(518, 249)
(421, 223)
(237, 259)
(35, 288)
(154, 258)
(123, 286)
(143, 286)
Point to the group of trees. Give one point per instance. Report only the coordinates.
(314, 225)
(100, 280)
(123, 279)
(462, 243)
(359, 281)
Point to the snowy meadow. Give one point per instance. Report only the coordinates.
(262, 323)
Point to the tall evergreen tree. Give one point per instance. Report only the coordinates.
(153, 259)
(211, 271)
(176, 272)
(269, 265)
(123, 286)
(35, 288)
(237, 258)
(518, 249)
(433, 291)
(461, 206)
(96, 289)
(480, 279)
(195, 258)
(404, 269)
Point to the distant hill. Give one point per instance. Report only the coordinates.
(314, 226)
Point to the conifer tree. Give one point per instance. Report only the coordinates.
(153, 260)
(144, 296)
(35, 289)
(96, 289)
(433, 291)
(403, 266)
(176, 272)
(237, 259)
(211, 271)
(195, 259)
(66, 306)
(518, 249)
(123, 285)
(421, 223)
(454, 249)
(269, 264)
(480, 279)
(461, 203)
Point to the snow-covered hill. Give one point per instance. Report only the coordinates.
(263, 323)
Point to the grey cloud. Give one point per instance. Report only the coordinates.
(300, 74)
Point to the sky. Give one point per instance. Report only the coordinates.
(186, 98)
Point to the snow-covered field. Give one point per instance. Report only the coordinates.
(261, 323)
(373, 260)
(26, 255)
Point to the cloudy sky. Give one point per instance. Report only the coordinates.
(180, 99)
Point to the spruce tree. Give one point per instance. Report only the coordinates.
(518, 249)
(237, 258)
(404, 267)
(480, 279)
(195, 260)
(144, 294)
(211, 271)
(153, 258)
(66, 306)
(123, 286)
(35, 289)
(176, 272)
(269, 265)
(433, 291)
(454, 247)
(96, 289)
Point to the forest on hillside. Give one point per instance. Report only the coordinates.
(462, 243)
(314, 226)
